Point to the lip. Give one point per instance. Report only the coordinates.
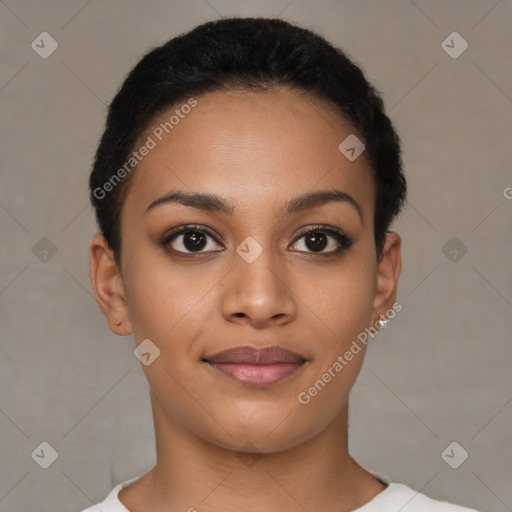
(256, 367)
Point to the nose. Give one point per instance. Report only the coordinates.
(259, 293)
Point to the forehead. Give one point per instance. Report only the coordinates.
(254, 148)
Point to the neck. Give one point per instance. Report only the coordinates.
(194, 474)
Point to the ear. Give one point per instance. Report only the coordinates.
(108, 286)
(388, 270)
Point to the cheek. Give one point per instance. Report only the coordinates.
(162, 299)
(340, 297)
(168, 302)
(342, 302)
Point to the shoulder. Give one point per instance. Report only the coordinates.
(111, 503)
(401, 497)
(394, 497)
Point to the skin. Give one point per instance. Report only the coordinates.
(222, 445)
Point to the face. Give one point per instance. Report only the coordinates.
(264, 260)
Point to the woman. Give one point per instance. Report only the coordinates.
(244, 188)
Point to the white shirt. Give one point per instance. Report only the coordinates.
(396, 497)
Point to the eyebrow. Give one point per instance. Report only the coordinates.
(214, 203)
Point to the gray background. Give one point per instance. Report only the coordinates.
(439, 373)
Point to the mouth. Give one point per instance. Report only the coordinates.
(256, 367)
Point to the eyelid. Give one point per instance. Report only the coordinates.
(319, 227)
(170, 236)
(189, 227)
(344, 241)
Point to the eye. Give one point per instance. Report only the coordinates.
(190, 239)
(323, 239)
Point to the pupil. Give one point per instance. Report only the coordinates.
(194, 240)
(316, 241)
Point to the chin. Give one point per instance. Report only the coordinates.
(262, 432)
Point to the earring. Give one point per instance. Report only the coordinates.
(381, 324)
(118, 323)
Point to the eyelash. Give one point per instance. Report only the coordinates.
(344, 241)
